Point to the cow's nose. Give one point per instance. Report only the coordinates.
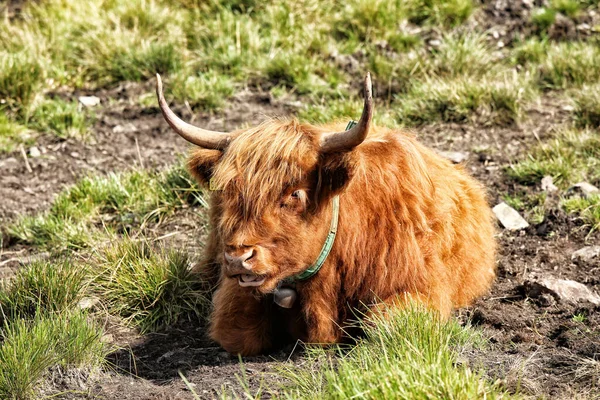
(239, 259)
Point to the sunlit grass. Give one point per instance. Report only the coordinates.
(587, 106)
(41, 287)
(12, 134)
(96, 204)
(148, 287)
(29, 348)
(410, 354)
(571, 157)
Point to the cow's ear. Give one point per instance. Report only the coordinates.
(201, 164)
(335, 172)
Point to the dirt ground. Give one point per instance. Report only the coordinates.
(536, 344)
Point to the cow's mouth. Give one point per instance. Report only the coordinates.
(246, 280)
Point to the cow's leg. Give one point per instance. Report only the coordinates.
(321, 314)
(240, 322)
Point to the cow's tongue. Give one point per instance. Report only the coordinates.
(250, 278)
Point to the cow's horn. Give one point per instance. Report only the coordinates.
(340, 141)
(198, 136)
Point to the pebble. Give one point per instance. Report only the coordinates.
(455, 156)
(89, 101)
(125, 128)
(586, 188)
(548, 184)
(571, 291)
(509, 217)
(87, 302)
(586, 253)
(34, 152)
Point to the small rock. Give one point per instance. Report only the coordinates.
(568, 108)
(586, 253)
(587, 189)
(108, 338)
(500, 44)
(34, 152)
(455, 156)
(89, 101)
(548, 184)
(125, 128)
(584, 27)
(87, 302)
(509, 217)
(435, 43)
(571, 291)
(74, 154)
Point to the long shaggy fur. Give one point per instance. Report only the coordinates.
(410, 223)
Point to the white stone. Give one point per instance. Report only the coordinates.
(34, 152)
(89, 101)
(586, 188)
(548, 184)
(586, 253)
(570, 290)
(125, 128)
(455, 156)
(509, 217)
(87, 302)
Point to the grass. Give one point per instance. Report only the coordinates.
(95, 204)
(573, 156)
(30, 348)
(149, 288)
(41, 287)
(570, 64)
(61, 118)
(585, 208)
(587, 106)
(12, 134)
(497, 102)
(410, 354)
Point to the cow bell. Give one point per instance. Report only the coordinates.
(285, 297)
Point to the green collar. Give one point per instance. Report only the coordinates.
(313, 269)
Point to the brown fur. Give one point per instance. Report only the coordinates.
(410, 223)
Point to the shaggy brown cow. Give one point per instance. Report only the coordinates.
(410, 224)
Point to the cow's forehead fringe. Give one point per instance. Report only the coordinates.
(262, 161)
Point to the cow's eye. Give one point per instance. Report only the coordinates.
(296, 194)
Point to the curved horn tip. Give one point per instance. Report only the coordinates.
(159, 86)
(368, 86)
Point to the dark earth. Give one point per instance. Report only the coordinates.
(539, 343)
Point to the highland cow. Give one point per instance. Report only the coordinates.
(345, 220)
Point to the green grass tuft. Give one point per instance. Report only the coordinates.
(573, 156)
(21, 77)
(63, 119)
(569, 64)
(12, 134)
(30, 348)
(41, 287)
(150, 288)
(207, 91)
(587, 106)
(410, 354)
(587, 208)
(81, 212)
(496, 102)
